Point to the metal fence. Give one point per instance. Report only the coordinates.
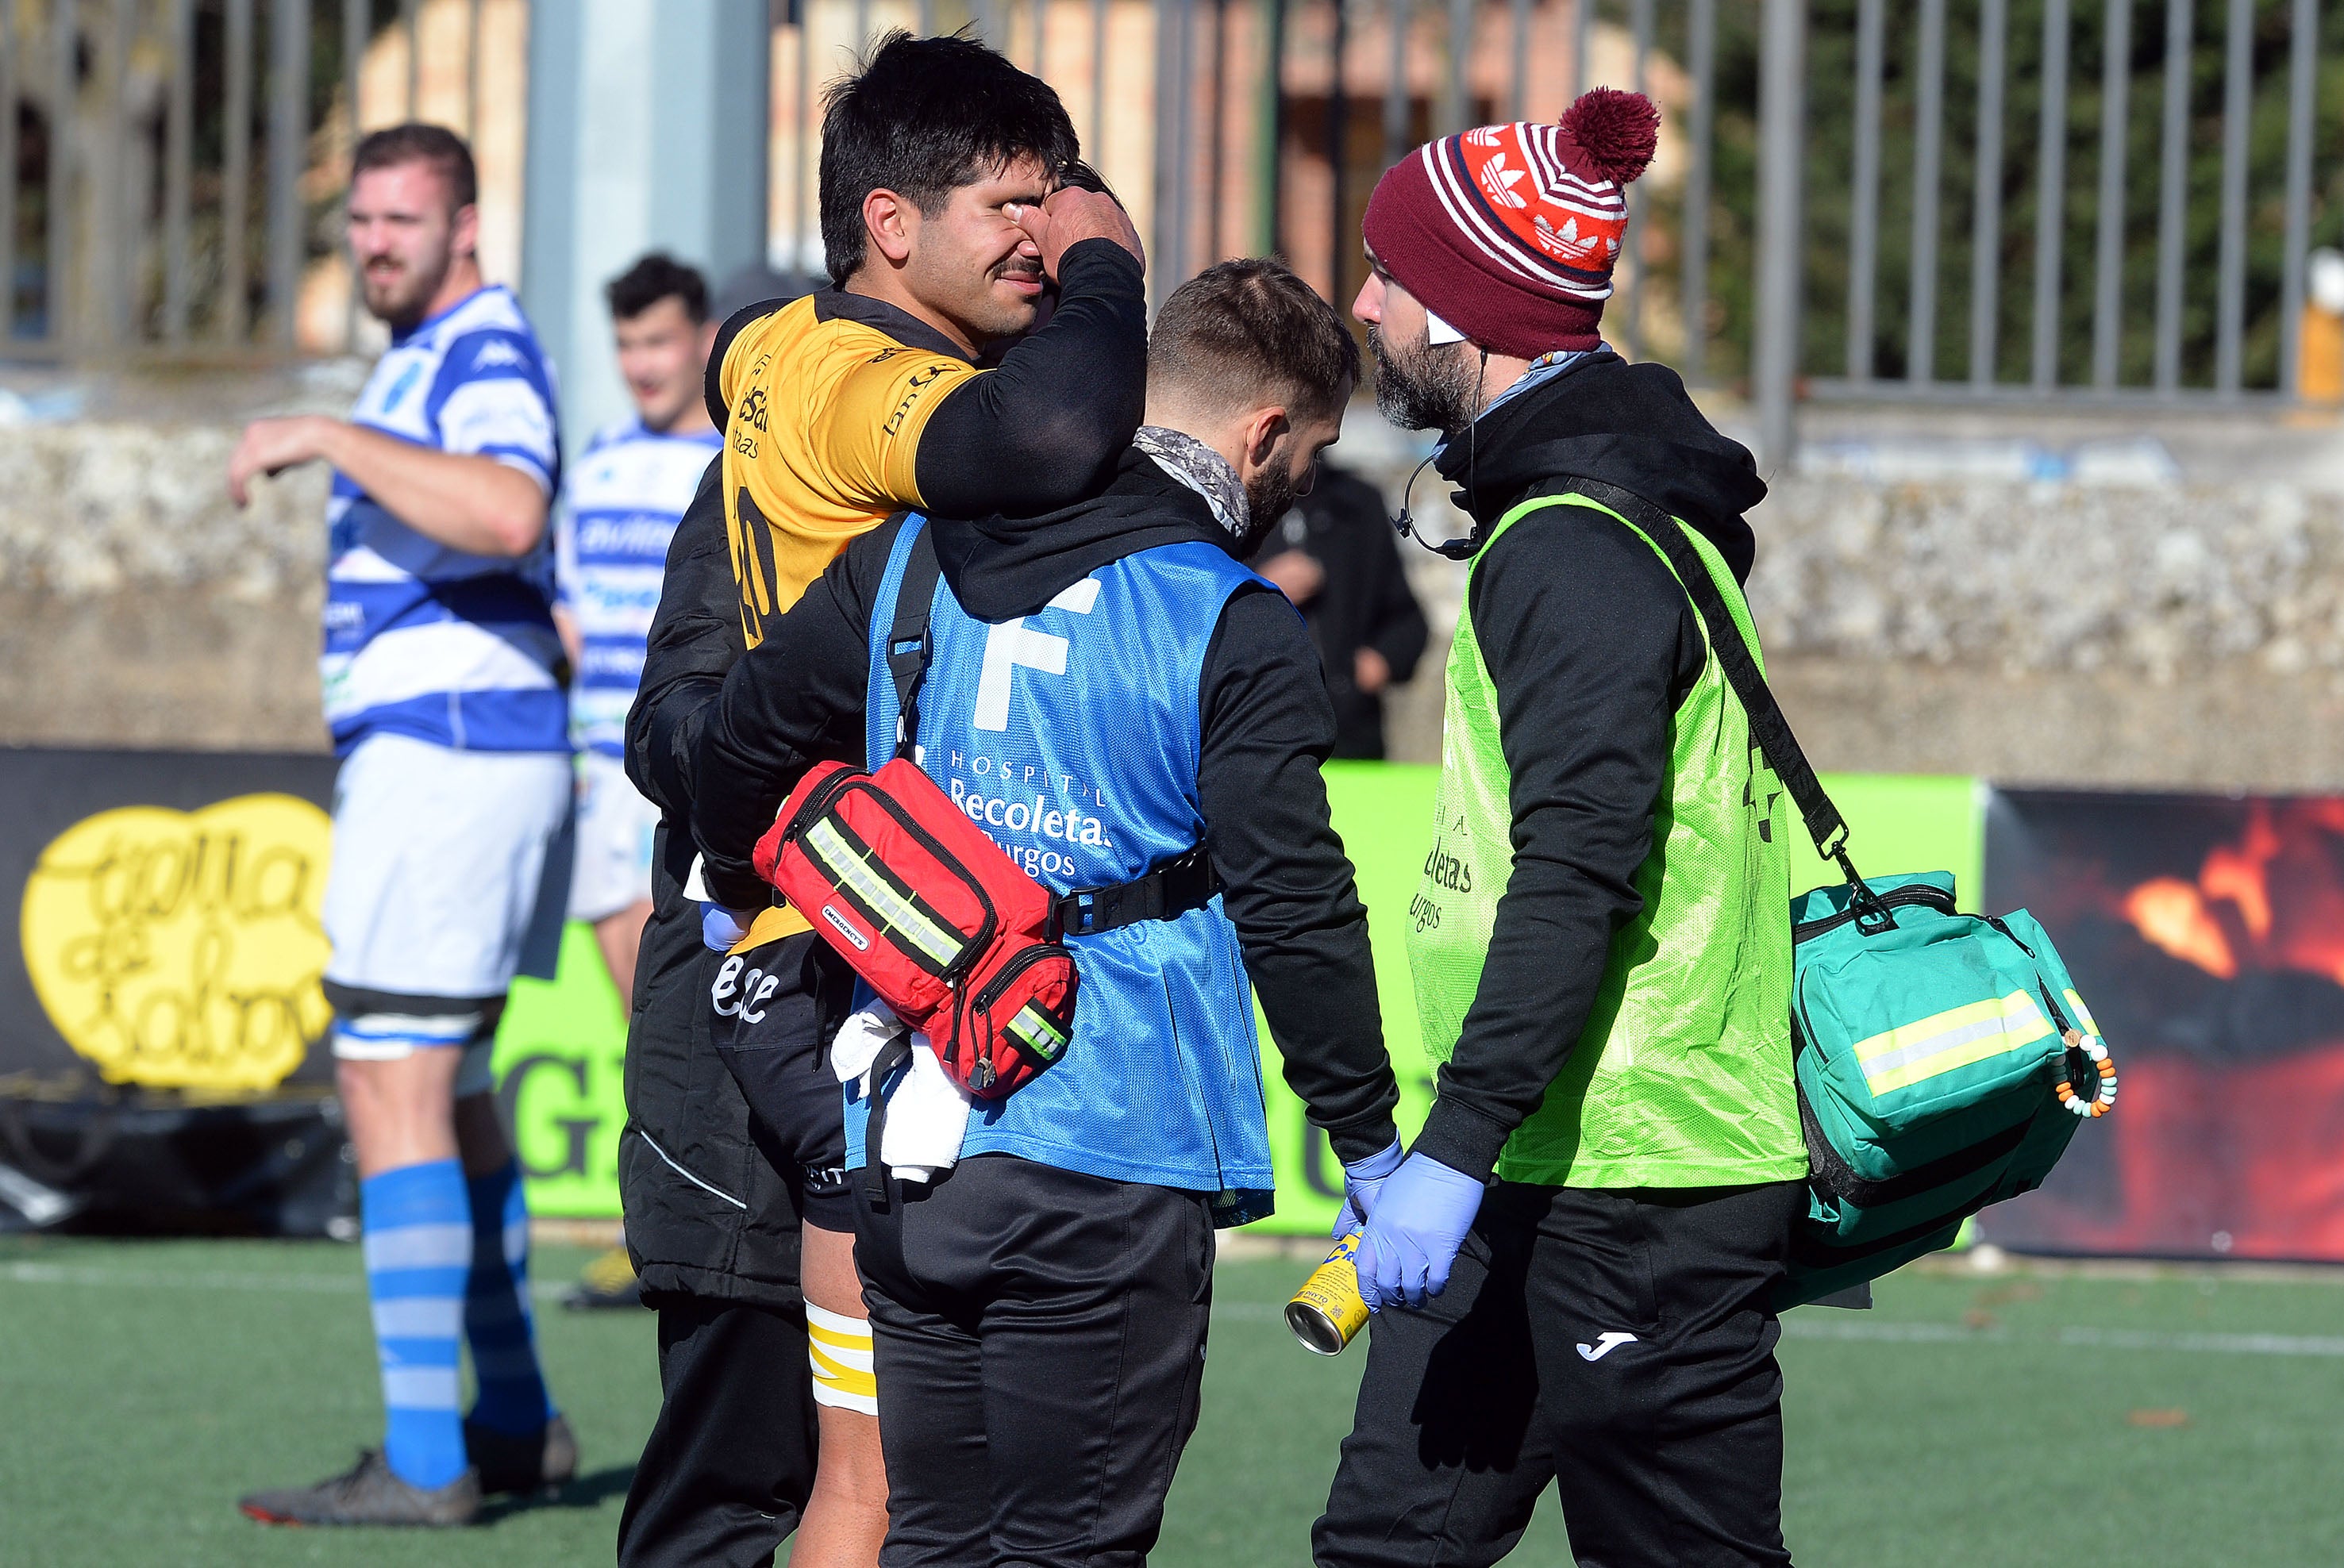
(1234, 126)
(2069, 201)
(170, 170)
(2114, 297)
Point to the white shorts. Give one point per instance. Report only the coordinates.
(451, 871)
(615, 830)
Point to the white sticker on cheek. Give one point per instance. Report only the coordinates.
(1438, 332)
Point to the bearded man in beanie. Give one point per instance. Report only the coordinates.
(1571, 1266)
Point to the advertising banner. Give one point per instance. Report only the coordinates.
(164, 911)
(167, 937)
(2207, 935)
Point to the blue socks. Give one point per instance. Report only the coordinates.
(419, 1228)
(496, 1309)
(445, 1262)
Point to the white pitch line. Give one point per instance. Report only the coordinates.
(1855, 1330)
(156, 1279)
(22, 1273)
(1843, 1330)
(2080, 1336)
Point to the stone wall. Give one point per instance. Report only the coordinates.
(139, 607)
(2183, 635)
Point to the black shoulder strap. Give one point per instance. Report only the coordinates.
(907, 636)
(1768, 728)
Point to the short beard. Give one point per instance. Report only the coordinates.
(406, 300)
(1422, 387)
(1269, 498)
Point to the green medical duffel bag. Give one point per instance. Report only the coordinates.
(1944, 1060)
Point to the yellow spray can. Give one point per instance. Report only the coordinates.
(1327, 1312)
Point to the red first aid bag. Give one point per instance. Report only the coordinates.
(948, 930)
(929, 910)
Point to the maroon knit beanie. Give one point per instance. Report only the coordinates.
(1508, 233)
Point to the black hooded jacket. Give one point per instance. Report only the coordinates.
(1591, 644)
(710, 1214)
(1266, 723)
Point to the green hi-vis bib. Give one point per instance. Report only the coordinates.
(1682, 1076)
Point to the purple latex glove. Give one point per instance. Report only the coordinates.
(1419, 1221)
(721, 929)
(1362, 1180)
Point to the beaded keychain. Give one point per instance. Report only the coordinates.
(2096, 1051)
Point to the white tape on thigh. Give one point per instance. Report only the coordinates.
(839, 1348)
(392, 1036)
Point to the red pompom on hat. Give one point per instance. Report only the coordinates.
(1508, 233)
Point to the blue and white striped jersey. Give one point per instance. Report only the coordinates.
(420, 640)
(629, 489)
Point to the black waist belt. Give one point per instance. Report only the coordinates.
(1183, 883)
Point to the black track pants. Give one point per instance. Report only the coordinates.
(1039, 1337)
(1616, 1345)
(728, 1466)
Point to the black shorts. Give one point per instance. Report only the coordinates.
(1615, 1346)
(771, 1012)
(1039, 1340)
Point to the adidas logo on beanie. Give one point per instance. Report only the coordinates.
(1509, 233)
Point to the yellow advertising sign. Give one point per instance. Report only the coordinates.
(183, 950)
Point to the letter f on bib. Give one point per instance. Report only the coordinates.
(1011, 644)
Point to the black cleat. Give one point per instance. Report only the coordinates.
(369, 1493)
(544, 1460)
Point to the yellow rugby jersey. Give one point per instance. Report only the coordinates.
(825, 401)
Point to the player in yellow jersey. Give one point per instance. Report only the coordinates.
(918, 379)
(867, 398)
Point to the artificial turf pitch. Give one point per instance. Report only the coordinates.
(2019, 1419)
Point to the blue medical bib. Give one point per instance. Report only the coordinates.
(1072, 736)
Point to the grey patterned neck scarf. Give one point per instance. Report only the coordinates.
(1203, 470)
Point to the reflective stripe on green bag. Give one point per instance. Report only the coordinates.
(1944, 1060)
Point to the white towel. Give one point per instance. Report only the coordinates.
(927, 1112)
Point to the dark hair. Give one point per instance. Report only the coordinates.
(921, 118)
(416, 142)
(1252, 327)
(652, 278)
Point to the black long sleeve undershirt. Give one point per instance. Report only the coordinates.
(1267, 726)
(1045, 429)
(695, 638)
(1041, 432)
(1287, 884)
(1591, 644)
